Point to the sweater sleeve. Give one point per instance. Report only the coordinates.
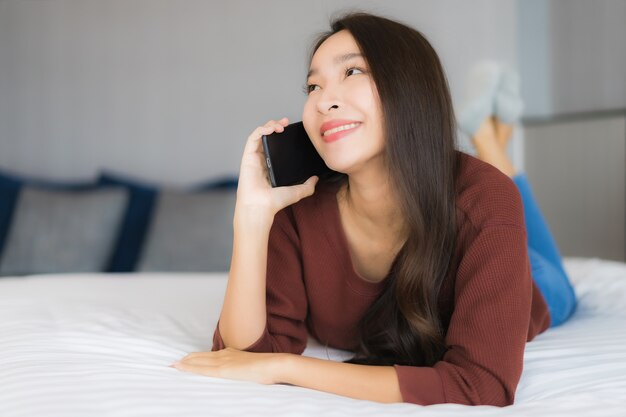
(487, 333)
(286, 300)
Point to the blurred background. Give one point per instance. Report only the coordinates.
(167, 91)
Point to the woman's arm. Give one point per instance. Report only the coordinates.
(373, 383)
(363, 382)
(243, 317)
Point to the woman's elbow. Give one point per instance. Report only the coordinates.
(483, 391)
(498, 395)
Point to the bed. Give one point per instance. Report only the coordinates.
(100, 345)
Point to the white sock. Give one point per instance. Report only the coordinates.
(482, 86)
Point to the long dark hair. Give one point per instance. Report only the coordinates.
(403, 325)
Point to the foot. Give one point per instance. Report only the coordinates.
(508, 103)
(489, 149)
(479, 102)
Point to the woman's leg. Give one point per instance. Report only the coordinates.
(539, 236)
(554, 286)
(491, 140)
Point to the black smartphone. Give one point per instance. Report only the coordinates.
(291, 157)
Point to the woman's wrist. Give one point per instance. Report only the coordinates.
(252, 218)
(280, 365)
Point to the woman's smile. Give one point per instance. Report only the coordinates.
(339, 132)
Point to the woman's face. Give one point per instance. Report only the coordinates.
(342, 94)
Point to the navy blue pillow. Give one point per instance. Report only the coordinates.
(9, 191)
(10, 186)
(224, 183)
(135, 224)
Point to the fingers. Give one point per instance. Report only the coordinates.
(311, 181)
(307, 188)
(195, 359)
(203, 354)
(253, 145)
(207, 370)
(294, 193)
(207, 360)
(201, 360)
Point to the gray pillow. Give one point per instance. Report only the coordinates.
(190, 231)
(56, 231)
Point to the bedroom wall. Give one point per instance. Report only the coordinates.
(572, 55)
(589, 48)
(169, 90)
(573, 61)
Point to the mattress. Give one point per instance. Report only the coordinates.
(100, 345)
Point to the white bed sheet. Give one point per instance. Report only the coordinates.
(100, 345)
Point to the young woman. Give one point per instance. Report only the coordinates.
(413, 255)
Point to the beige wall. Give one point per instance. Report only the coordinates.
(572, 55)
(168, 90)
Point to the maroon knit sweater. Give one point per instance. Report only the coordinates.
(488, 304)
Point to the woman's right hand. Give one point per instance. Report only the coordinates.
(254, 190)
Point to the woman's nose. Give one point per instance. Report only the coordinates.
(329, 100)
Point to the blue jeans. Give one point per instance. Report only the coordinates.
(545, 259)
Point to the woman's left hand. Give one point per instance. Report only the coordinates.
(231, 363)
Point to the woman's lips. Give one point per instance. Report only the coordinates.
(338, 135)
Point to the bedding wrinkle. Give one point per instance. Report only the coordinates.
(56, 360)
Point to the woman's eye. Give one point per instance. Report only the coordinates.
(310, 87)
(348, 71)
